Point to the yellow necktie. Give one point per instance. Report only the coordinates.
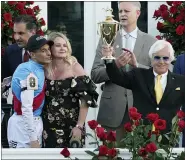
(158, 89)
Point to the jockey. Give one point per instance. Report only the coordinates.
(28, 87)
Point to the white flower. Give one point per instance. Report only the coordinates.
(60, 132)
(73, 83)
(73, 99)
(45, 135)
(59, 83)
(59, 141)
(89, 102)
(52, 82)
(57, 118)
(85, 93)
(70, 115)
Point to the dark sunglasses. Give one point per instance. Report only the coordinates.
(165, 58)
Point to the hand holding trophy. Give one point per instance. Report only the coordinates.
(108, 30)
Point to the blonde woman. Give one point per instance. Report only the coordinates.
(69, 93)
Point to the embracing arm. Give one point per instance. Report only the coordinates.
(98, 71)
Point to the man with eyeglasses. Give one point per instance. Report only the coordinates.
(156, 89)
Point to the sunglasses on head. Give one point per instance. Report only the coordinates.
(165, 58)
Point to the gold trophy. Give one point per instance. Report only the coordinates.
(108, 30)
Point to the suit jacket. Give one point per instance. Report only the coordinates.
(141, 82)
(12, 58)
(179, 66)
(115, 98)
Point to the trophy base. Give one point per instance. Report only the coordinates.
(108, 59)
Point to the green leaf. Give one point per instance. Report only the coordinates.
(153, 138)
(174, 120)
(95, 158)
(90, 143)
(90, 153)
(159, 138)
(88, 134)
(76, 158)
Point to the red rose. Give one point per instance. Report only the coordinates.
(101, 133)
(157, 13)
(128, 127)
(112, 152)
(65, 152)
(40, 32)
(20, 5)
(132, 109)
(103, 150)
(169, 3)
(173, 10)
(171, 20)
(165, 15)
(93, 124)
(160, 124)
(177, 3)
(11, 24)
(29, 11)
(152, 117)
(158, 37)
(111, 136)
(179, 18)
(23, 11)
(142, 152)
(180, 30)
(36, 8)
(151, 147)
(180, 114)
(181, 124)
(43, 23)
(11, 3)
(163, 7)
(134, 115)
(136, 123)
(7, 17)
(160, 25)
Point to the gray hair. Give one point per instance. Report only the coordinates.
(160, 44)
(135, 3)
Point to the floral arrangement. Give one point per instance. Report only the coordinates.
(143, 141)
(12, 9)
(171, 24)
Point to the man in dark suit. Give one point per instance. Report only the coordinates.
(113, 105)
(15, 54)
(155, 89)
(179, 68)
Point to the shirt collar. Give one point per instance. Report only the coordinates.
(35, 63)
(163, 75)
(133, 33)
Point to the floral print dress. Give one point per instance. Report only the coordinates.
(61, 110)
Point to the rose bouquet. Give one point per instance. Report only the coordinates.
(172, 24)
(9, 11)
(143, 140)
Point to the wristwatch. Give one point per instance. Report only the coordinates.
(79, 127)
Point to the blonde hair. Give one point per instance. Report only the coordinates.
(71, 60)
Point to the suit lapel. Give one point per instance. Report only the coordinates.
(169, 86)
(150, 84)
(139, 44)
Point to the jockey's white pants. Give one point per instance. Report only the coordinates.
(16, 132)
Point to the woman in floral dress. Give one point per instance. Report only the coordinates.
(69, 93)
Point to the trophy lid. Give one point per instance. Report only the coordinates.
(109, 16)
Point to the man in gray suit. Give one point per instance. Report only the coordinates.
(115, 100)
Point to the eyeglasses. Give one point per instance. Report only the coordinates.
(165, 58)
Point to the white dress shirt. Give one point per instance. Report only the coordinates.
(132, 39)
(163, 79)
